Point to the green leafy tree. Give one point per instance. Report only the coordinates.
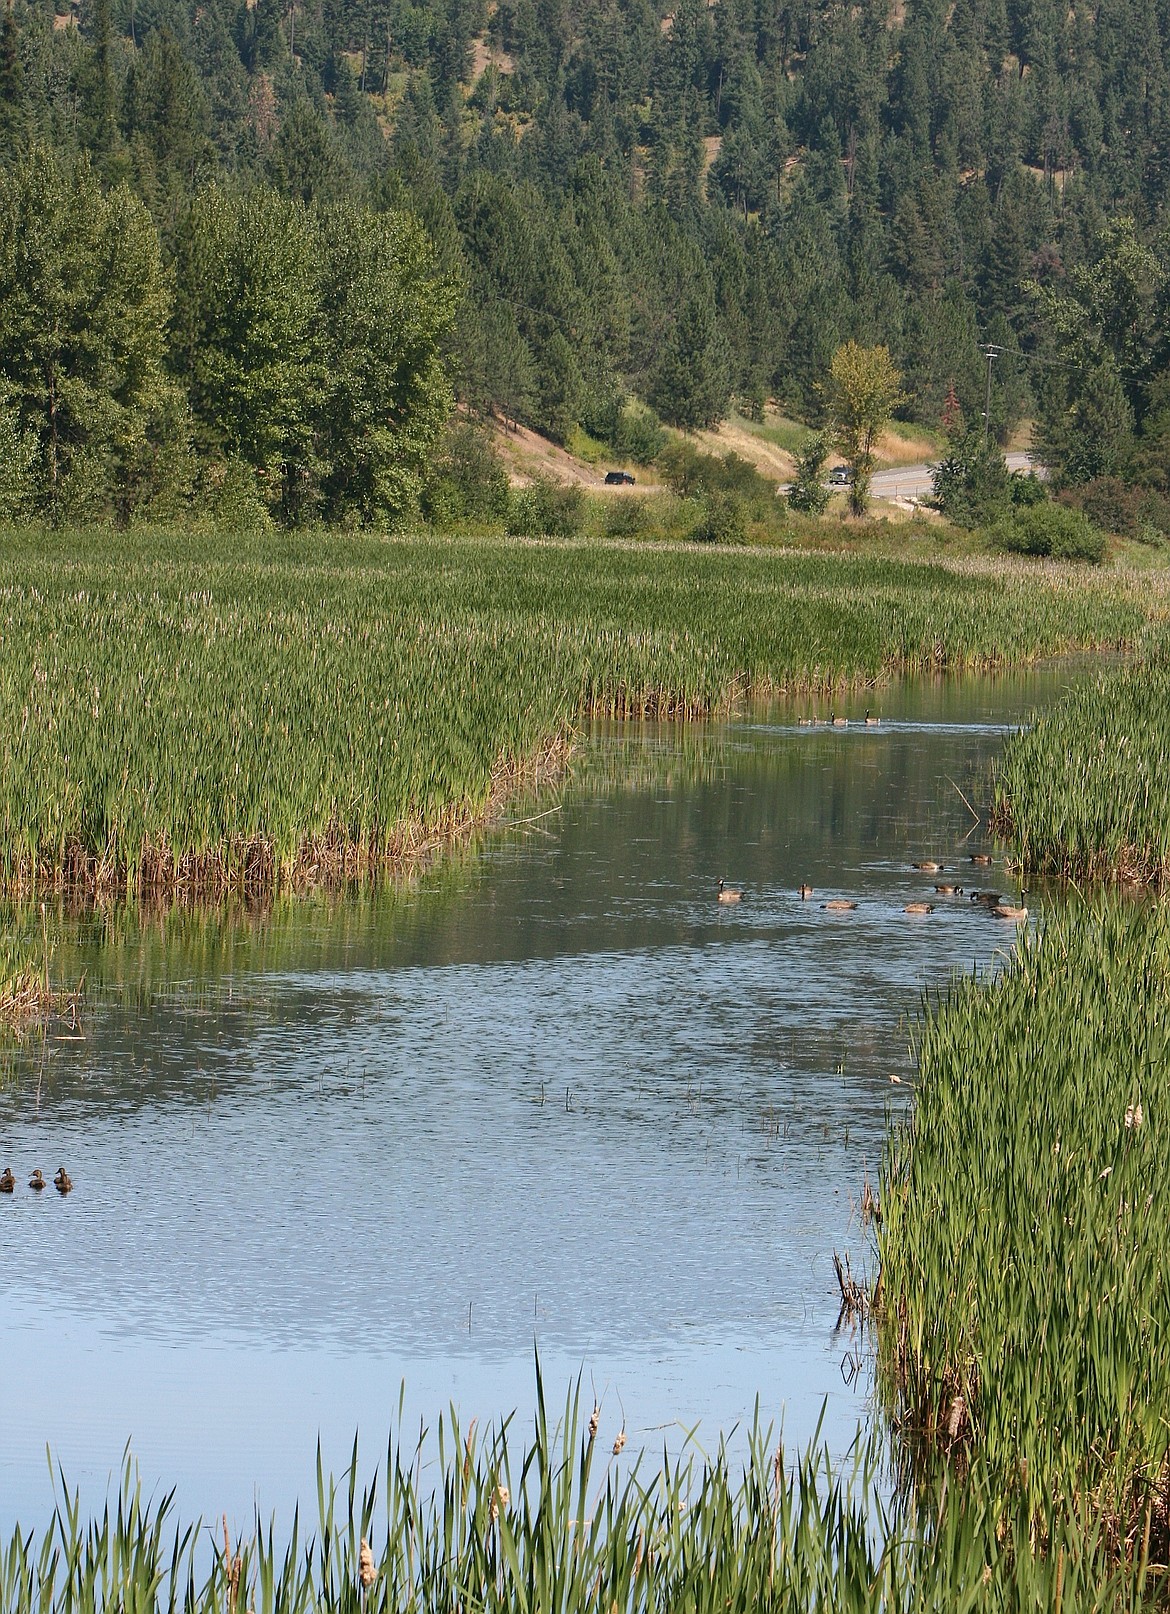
(1086, 428)
(1104, 330)
(245, 340)
(385, 310)
(808, 493)
(863, 392)
(84, 304)
(18, 457)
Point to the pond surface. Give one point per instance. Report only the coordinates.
(549, 1094)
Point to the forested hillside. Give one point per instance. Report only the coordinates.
(690, 207)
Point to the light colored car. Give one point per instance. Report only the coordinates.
(840, 477)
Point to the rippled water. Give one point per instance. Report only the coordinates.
(549, 1094)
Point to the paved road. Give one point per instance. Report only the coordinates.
(913, 481)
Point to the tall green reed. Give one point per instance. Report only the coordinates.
(1084, 792)
(307, 709)
(556, 1523)
(1025, 1268)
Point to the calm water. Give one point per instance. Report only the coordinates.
(548, 1094)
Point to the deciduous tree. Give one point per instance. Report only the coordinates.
(84, 305)
(864, 390)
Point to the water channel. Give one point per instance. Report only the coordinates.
(548, 1094)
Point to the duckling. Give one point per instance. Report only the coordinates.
(7, 1180)
(838, 905)
(806, 722)
(918, 907)
(37, 1180)
(63, 1182)
(949, 890)
(806, 892)
(982, 860)
(927, 867)
(987, 899)
(1007, 910)
(839, 722)
(871, 722)
(729, 893)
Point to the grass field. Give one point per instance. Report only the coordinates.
(305, 709)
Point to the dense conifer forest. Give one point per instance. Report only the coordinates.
(267, 243)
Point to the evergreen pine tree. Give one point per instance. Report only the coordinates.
(13, 99)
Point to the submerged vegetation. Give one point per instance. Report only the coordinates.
(1026, 1287)
(564, 1521)
(318, 707)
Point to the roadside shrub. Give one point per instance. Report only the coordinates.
(1153, 526)
(690, 473)
(808, 494)
(721, 520)
(1050, 530)
(467, 481)
(630, 428)
(1026, 488)
(1112, 506)
(546, 509)
(970, 484)
(626, 518)
(638, 434)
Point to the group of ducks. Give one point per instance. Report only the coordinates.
(836, 722)
(62, 1182)
(991, 900)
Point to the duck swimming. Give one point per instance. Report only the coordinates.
(871, 722)
(7, 1180)
(63, 1182)
(981, 860)
(918, 907)
(37, 1180)
(729, 893)
(1006, 910)
(989, 899)
(838, 905)
(949, 890)
(927, 867)
(805, 891)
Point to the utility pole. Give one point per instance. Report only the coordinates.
(991, 351)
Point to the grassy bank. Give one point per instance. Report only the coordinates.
(561, 1522)
(1084, 793)
(1025, 1269)
(184, 715)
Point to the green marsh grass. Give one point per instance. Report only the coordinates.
(1025, 1268)
(1084, 792)
(557, 1523)
(195, 716)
